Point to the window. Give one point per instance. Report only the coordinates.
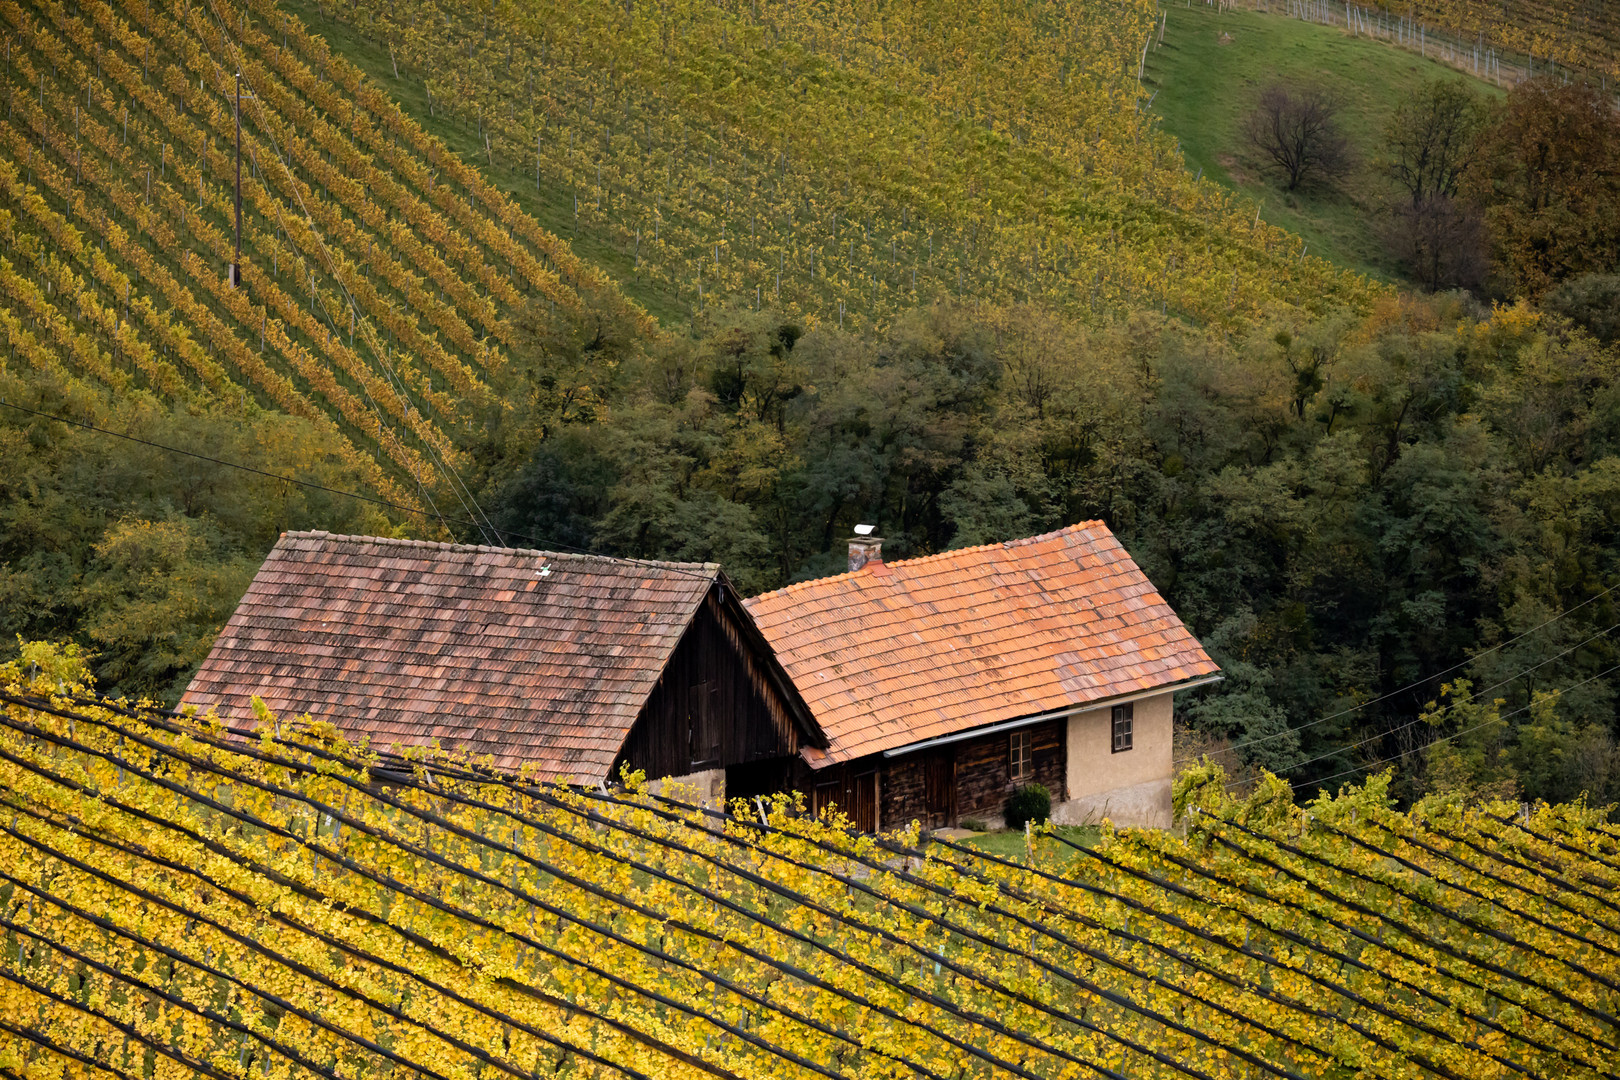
(1123, 718)
(1020, 756)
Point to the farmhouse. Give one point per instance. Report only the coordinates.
(944, 683)
(568, 665)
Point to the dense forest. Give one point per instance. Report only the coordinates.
(1338, 509)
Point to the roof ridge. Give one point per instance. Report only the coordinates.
(975, 636)
(441, 545)
(1079, 526)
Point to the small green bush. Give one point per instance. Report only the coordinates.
(1592, 301)
(1032, 802)
(973, 824)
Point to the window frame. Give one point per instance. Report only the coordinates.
(1122, 728)
(1020, 756)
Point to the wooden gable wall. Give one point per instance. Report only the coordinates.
(715, 706)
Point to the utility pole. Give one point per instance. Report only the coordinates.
(236, 264)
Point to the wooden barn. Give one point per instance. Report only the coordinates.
(571, 665)
(946, 683)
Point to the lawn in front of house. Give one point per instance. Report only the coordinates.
(1009, 844)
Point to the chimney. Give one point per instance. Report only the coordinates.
(864, 548)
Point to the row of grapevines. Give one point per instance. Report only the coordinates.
(830, 157)
(408, 287)
(56, 177)
(1582, 36)
(378, 300)
(198, 227)
(535, 258)
(186, 898)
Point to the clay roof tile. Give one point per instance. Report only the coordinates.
(408, 641)
(900, 652)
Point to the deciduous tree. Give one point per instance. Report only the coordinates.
(1431, 141)
(1295, 130)
(1430, 144)
(1549, 180)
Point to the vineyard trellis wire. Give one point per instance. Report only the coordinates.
(188, 896)
(1502, 42)
(112, 167)
(846, 159)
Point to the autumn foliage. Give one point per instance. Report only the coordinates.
(383, 280)
(187, 897)
(1549, 179)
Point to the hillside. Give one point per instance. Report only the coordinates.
(181, 903)
(840, 163)
(1579, 38)
(392, 297)
(1210, 68)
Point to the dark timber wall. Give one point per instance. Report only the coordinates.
(971, 778)
(853, 787)
(713, 707)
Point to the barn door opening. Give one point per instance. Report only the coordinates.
(863, 808)
(824, 796)
(704, 725)
(939, 788)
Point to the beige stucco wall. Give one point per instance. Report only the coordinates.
(1131, 787)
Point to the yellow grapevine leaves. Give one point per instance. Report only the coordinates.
(205, 896)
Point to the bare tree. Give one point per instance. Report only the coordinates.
(1442, 242)
(1296, 133)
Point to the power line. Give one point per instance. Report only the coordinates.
(1475, 696)
(402, 507)
(1421, 681)
(1457, 734)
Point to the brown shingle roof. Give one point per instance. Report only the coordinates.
(897, 653)
(528, 656)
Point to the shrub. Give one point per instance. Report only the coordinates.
(973, 824)
(1592, 301)
(1032, 802)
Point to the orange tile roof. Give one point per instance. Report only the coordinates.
(897, 653)
(529, 656)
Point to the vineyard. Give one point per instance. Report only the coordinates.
(386, 283)
(188, 898)
(1551, 37)
(841, 162)
(407, 274)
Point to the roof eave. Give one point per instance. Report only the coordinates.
(834, 758)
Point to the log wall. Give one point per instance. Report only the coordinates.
(976, 775)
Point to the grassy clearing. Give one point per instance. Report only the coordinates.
(1009, 843)
(1211, 67)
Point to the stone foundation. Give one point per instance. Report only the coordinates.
(1145, 805)
(706, 788)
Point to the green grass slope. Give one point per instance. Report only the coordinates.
(1206, 75)
(839, 162)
